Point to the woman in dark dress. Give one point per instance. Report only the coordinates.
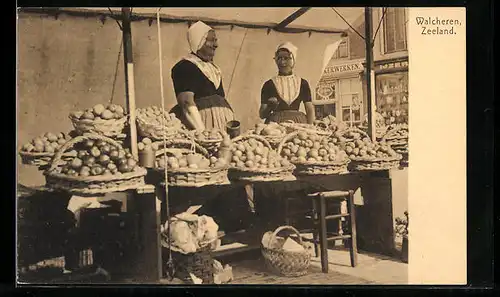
(282, 95)
(201, 105)
(198, 83)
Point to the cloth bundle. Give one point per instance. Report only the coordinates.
(190, 232)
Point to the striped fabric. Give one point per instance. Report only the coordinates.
(288, 87)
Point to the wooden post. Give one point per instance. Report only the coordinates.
(370, 81)
(129, 77)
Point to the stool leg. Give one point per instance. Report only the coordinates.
(352, 227)
(315, 228)
(322, 236)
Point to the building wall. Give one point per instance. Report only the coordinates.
(71, 63)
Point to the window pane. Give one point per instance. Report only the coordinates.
(343, 50)
(392, 97)
(346, 115)
(389, 28)
(400, 29)
(325, 110)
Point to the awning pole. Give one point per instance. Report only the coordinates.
(129, 78)
(370, 75)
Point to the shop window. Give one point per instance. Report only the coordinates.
(395, 30)
(392, 97)
(342, 51)
(344, 101)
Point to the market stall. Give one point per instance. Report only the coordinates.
(147, 152)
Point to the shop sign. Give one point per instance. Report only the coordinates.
(350, 67)
(393, 65)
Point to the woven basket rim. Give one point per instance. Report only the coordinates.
(93, 121)
(268, 137)
(260, 171)
(388, 159)
(98, 178)
(322, 163)
(192, 170)
(281, 251)
(43, 154)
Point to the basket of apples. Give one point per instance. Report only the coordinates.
(313, 154)
(366, 155)
(210, 139)
(272, 132)
(103, 120)
(397, 139)
(41, 149)
(100, 166)
(154, 123)
(188, 164)
(253, 159)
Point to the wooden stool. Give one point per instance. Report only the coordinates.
(319, 219)
(320, 202)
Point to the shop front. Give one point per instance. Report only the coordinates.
(391, 89)
(340, 93)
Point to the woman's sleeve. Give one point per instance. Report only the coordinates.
(183, 78)
(266, 92)
(306, 91)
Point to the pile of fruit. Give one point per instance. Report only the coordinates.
(96, 158)
(365, 149)
(270, 130)
(253, 154)
(151, 119)
(213, 135)
(147, 144)
(178, 160)
(302, 147)
(46, 143)
(100, 112)
(350, 135)
(330, 122)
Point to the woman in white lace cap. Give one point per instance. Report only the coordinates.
(282, 95)
(198, 83)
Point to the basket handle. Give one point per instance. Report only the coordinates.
(285, 140)
(189, 143)
(254, 136)
(393, 131)
(72, 142)
(279, 229)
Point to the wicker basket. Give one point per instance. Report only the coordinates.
(394, 138)
(259, 174)
(284, 262)
(374, 164)
(109, 128)
(292, 127)
(191, 177)
(92, 184)
(211, 145)
(200, 264)
(274, 140)
(344, 134)
(318, 167)
(41, 159)
(155, 131)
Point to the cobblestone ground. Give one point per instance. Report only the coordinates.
(253, 272)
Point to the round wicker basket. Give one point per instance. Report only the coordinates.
(317, 167)
(259, 174)
(155, 131)
(191, 177)
(89, 185)
(41, 159)
(374, 164)
(286, 263)
(274, 140)
(109, 128)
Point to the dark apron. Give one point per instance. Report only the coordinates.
(201, 103)
(287, 115)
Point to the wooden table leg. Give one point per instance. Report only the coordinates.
(323, 234)
(150, 258)
(352, 226)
